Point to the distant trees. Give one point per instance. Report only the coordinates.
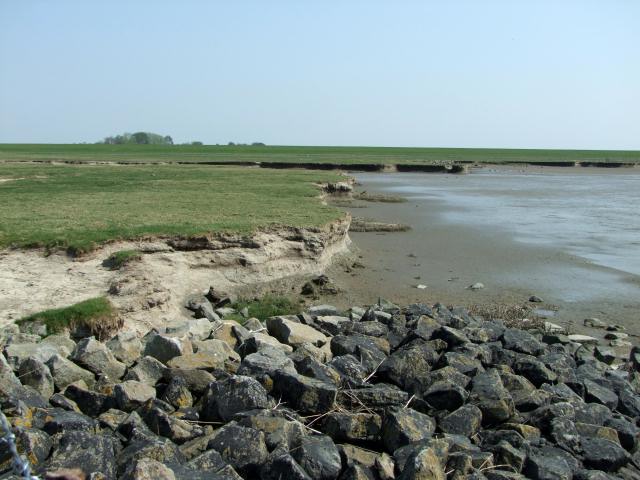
(138, 138)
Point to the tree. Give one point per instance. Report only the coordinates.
(168, 140)
(141, 138)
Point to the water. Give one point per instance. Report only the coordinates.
(592, 215)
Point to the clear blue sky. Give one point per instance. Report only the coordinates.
(509, 73)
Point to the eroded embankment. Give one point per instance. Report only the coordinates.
(152, 290)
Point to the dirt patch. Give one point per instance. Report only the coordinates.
(151, 291)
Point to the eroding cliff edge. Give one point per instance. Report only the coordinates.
(152, 290)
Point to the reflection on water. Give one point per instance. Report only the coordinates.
(591, 215)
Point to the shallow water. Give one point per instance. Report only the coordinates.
(571, 236)
(594, 216)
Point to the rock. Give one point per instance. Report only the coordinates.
(408, 366)
(169, 426)
(402, 426)
(303, 394)
(465, 364)
(60, 401)
(319, 457)
(333, 324)
(445, 395)
(131, 394)
(534, 370)
(243, 448)
(257, 341)
(163, 348)
(476, 286)
(375, 396)
(148, 469)
(9, 383)
(89, 402)
(603, 454)
(522, 342)
(281, 466)
(17, 353)
(490, 396)
(294, 334)
(263, 365)
(33, 444)
(62, 342)
(616, 336)
(59, 421)
(544, 465)
(279, 432)
(97, 358)
(594, 323)
(146, 370)
(199, 361)
(599, 394)
(236, 394)
(197, 380)
(35, 374)
(177, 393)
(350, 370)
(230, 332)
(535, 299)
(159, 449)
(126, 347)
(310, 367)
(423, 464)
(96, 455)
(605, 355)
(466, 421)
(583, 339)
(352, 427)
(64, 372)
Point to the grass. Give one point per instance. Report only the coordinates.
(119, 259)
(379, 197)
(96, 314)
(77, 207)
(294, 154)
(268, 306)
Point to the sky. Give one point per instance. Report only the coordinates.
(449, 73)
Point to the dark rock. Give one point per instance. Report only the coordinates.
(159, 449)
(629, 403)
(177, 393)
(408, 366)
(163, 424)
(310, 367)
(279, 432)
(545, 465)
(165, 347)
(65, 372)
(319, 457)
(146, 370)
(599, 394)
(355, 343)
(93, 454)
(543, 417)
(262, 365)
(351, 371)
(461, 362)
(402, 426)
(89, 402)
(130, 394)
(593, 413)
(445, 395)
(197, 380)
(304, 394)
(466, 421)
(243, 448)
(372, 329)
(375, 396)
(507, 454)
(490, 396)
(603, 454)
(423, 463)
(236, 394)
(58, 421)
(34, 444)
(282, 466)
(534, 370)
(628, 433)
(565, 434)
(522, 342)
(452, 336)
(352, 427)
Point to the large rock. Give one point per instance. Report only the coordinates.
(490, 396)
(423, 464)
(148, 469)
(402, 426)
(126, 347)
(97, 358)
(522, 342)
(35, 374)
(603, 454)
(90, 402)
(236, 394)
(352, 427)
(445, 395)
(243, 448)
(165, 347)
(17, 353)
(294, 334)
(466, 421)
(93, 454)
(146, 370)
(131, 394)
(408, 366)
(304, 394)
(65, 372)
(262, 365)
(197, 381)
(319, 457)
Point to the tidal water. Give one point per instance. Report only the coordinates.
(594, 215)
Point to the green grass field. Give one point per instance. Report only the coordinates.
(331, 155)
(80, 206)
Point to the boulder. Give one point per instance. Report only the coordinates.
(197, 381)
(423, 464)
(177, 393)
(236, 394)
(490, 396)
(130, 394)
(146, 370)
(603, 454)
(64, 372)
(242, 447)
(303, 394)
(163, 347)
(294, 334)
(402, 426)
(445, 395)
(466, 421)
(35, 374)
(93, 454)
(319, 457)
(97, 358)
(352, 427)
(126, 347)
(16, 353)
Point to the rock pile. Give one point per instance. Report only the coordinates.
(423, 392)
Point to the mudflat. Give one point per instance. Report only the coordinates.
(569, 236)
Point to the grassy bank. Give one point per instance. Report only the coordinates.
(79, 206)
(301, 155)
